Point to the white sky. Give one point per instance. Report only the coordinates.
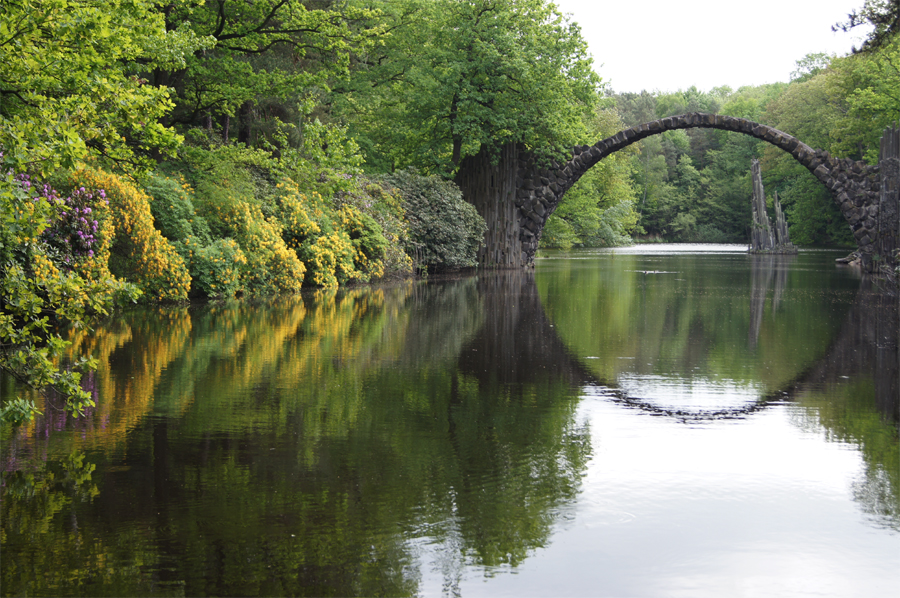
(670, 45)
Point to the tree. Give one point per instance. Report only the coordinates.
(454, 77)
(842, 109)
(266, 59)
(69, 86)
(600, 209)
(883, 15)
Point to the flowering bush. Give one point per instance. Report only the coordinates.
(369, 244)
(40, 291)
(139, 253)
(329, 258)
(271, 266)
(75, 233)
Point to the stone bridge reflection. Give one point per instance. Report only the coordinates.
(518, 344)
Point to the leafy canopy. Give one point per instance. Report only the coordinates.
(69, 84)
(453, 77)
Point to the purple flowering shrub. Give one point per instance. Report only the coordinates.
(74, 234)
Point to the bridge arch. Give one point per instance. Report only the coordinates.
(517, 211)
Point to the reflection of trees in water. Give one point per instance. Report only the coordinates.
(866, 344)
(517, 343)
(293, 447)
(845, 377)
(862, 363)
(290, 447)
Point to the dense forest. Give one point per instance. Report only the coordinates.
(160, 151)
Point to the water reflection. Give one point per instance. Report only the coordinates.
(668, 346)
(368, 441)
(693, 399)
(764, 270)
(315, 446)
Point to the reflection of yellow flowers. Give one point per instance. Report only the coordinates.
(230, 350)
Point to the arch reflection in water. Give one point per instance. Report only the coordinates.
(690, 398)
(415, 439)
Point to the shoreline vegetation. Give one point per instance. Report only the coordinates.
(165, 152)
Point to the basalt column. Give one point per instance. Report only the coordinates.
(764, 238)
(761, 236)
(889, 199)
(489, 184)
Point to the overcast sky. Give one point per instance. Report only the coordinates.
(671, 45)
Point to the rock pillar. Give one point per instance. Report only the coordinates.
(489, 183)
(764, 237)
(889, 197)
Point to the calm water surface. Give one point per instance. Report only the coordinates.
(650, 421)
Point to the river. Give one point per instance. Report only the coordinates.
(660, 420)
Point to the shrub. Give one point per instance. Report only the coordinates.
(139, 253)
(445, 232)
(384, 206)
(215, 268)
(41, 291)
(271, 266)
(709, 233)
(330, 259)
(173, 210)
(337, 246)
(369, 245)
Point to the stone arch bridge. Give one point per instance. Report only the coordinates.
(517, 194)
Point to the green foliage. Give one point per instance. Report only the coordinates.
(324, 160)
(599, 209)
(69, 80)
(811, 65)
(385, 207)
(842, 108)
(694, 184)
(445, 232)
(250, 196)
(265, 59)
(215, 267)
(882, 15)
(173, 210)
(455, 77)
(814, 217)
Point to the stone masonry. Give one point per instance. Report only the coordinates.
(855, 186)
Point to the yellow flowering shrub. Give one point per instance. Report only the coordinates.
(336, 245)
(297, 214)
(215, 268)
(139, 252)
(368, 243)
(330, 259)
(271, 266)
